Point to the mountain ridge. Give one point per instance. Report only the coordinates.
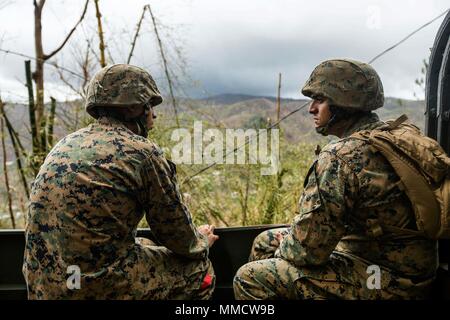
(229, 110)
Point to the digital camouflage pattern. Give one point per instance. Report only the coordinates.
(327, 250)
(87, 200)
(121, 85)
(346, 83)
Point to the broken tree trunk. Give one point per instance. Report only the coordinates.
(50, 123)
(100, 34)
(39, 122)
(5, 169)
(166, 69)
(138, 28)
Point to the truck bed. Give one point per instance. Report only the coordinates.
(227, 255)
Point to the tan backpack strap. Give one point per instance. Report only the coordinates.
(394, 124)
(402, 231)
(376, 231)
(423, 200)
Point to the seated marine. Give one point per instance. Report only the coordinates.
(335, 248)
(91, 192)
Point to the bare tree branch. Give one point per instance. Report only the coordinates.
(66, 82)
(53, 64)
(100, 34)
(110, 55)
(38, 74)
(48, 56)
(138, 28)
(39, 4)
(166, 69)
(14, 137)
(5, 171)
(51, 122)
(16, 146)
(85, 68)
(31, 107)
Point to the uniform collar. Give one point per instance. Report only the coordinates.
(365, 122)
(109, 121)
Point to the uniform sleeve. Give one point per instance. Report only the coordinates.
(330, 190)
(168, 217)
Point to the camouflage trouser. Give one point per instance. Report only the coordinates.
(174, 277)
(144, 271)
(344, 276)
(265, 277)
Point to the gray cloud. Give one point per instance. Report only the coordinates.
(240, 46)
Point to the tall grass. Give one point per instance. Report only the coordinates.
(237, 194)
(226, 194)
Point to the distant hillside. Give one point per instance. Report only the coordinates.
(240, 111)
(231, 98)
(226, 110)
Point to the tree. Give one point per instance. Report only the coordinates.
(37, 110)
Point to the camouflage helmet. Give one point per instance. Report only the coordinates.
(346, 83)
(121, 85)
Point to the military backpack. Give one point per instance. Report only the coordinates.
(424, 171)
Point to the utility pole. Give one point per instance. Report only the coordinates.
(279, 99)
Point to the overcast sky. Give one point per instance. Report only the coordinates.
(232, 46)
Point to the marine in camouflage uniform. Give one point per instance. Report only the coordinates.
(349, 192)
(91, 192)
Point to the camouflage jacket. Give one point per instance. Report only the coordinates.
(91, 192)
(349, 184)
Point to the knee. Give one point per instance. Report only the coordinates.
(265, 244)
(270, 237)
(243, 272)
(243, 281)
(266, 279)
(250, 281)
(262, 239)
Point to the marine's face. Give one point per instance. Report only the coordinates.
(320, 109)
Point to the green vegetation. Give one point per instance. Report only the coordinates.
(226, 194)
(235, 195)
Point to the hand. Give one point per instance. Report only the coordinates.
(279, 236)
(208, 231)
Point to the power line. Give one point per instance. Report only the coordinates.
(246, 143)
(53, 64)
(304, 105)
(276, 123)
(14, 94)
(407, 37)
